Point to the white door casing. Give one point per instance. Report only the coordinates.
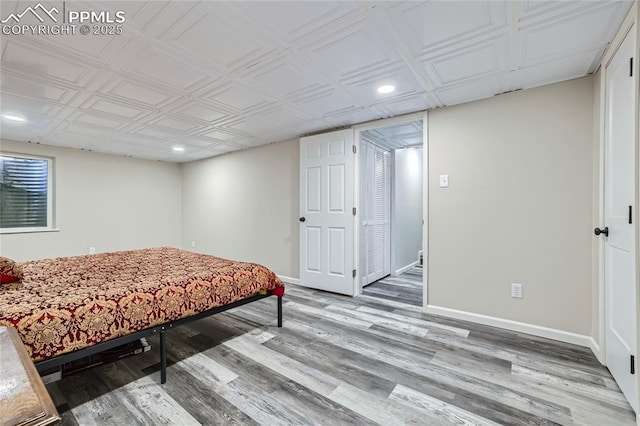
(326, 212)
(619, 245)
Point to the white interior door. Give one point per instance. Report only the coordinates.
(326, 212)
(375, 213)
(619, 260)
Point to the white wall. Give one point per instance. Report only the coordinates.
(105, 201)
(518, 208)
(407, 207)
(244, 206)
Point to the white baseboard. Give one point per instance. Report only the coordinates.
(520, 327)
(405, 268)
(595, 348)
(289, 280)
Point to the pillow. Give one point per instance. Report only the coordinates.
(10, 271)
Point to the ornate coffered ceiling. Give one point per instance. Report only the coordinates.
(215, 77)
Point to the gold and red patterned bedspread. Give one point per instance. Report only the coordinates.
(69, 303)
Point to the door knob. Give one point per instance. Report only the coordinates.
(302, 219)
(604, 231)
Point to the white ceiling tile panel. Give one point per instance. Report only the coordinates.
(91, 119)
(220, 135)
(328, 101)
(429, 25)
(551, 72)
(93, 47)
(233, 146)
(34, 60)
(237, 97)
(195, 142)
(353, 115)
(216, 37)
(136, 139)
(15, 132)
(530, 8)
(352, 51)
(575, 33)
(290, 21)
(157, 19)
(36, 89)
(285, 78)
(284, 115)
(177, 124)
(253, 125)
(365, 87)
(154, 132)
(478, 89)
(315, 92)
(14, 104)
(472, 62)
(138, 92)
(201, 112)
(87, 130)
(100, 104)
(164, 69)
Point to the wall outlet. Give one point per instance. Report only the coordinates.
(92, 250)
(193, 243)
(444, 181)
(516, 290)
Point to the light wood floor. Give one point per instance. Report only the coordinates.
(343, 361)
(405, 288)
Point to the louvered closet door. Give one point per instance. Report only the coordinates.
(375, 199)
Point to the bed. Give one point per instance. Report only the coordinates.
(72, 307)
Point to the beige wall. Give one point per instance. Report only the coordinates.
(105, 201)
(518, 207)
(244, 206)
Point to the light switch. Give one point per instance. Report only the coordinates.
(444, 181)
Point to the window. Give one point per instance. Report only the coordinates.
(25, 194)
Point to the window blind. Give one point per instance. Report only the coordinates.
(23, 192)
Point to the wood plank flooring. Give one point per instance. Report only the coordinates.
(405, 288)
(344, 361)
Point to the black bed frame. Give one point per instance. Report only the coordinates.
(51, 363)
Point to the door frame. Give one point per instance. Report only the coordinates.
(422, 115)
(631, 19)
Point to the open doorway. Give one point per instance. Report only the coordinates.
(391, 212)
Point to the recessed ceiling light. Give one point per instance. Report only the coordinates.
(16, 118)
(178, 149)
(387, 88)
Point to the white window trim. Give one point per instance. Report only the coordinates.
(50, 207)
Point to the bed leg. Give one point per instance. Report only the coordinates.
(279, 311)
(163, 359)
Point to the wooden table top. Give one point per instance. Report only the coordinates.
(24, 400)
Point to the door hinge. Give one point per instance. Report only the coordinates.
(633, 364)
(354, 211)
(630, 215)
(354, 273)
(354, 149)
(630, 67)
